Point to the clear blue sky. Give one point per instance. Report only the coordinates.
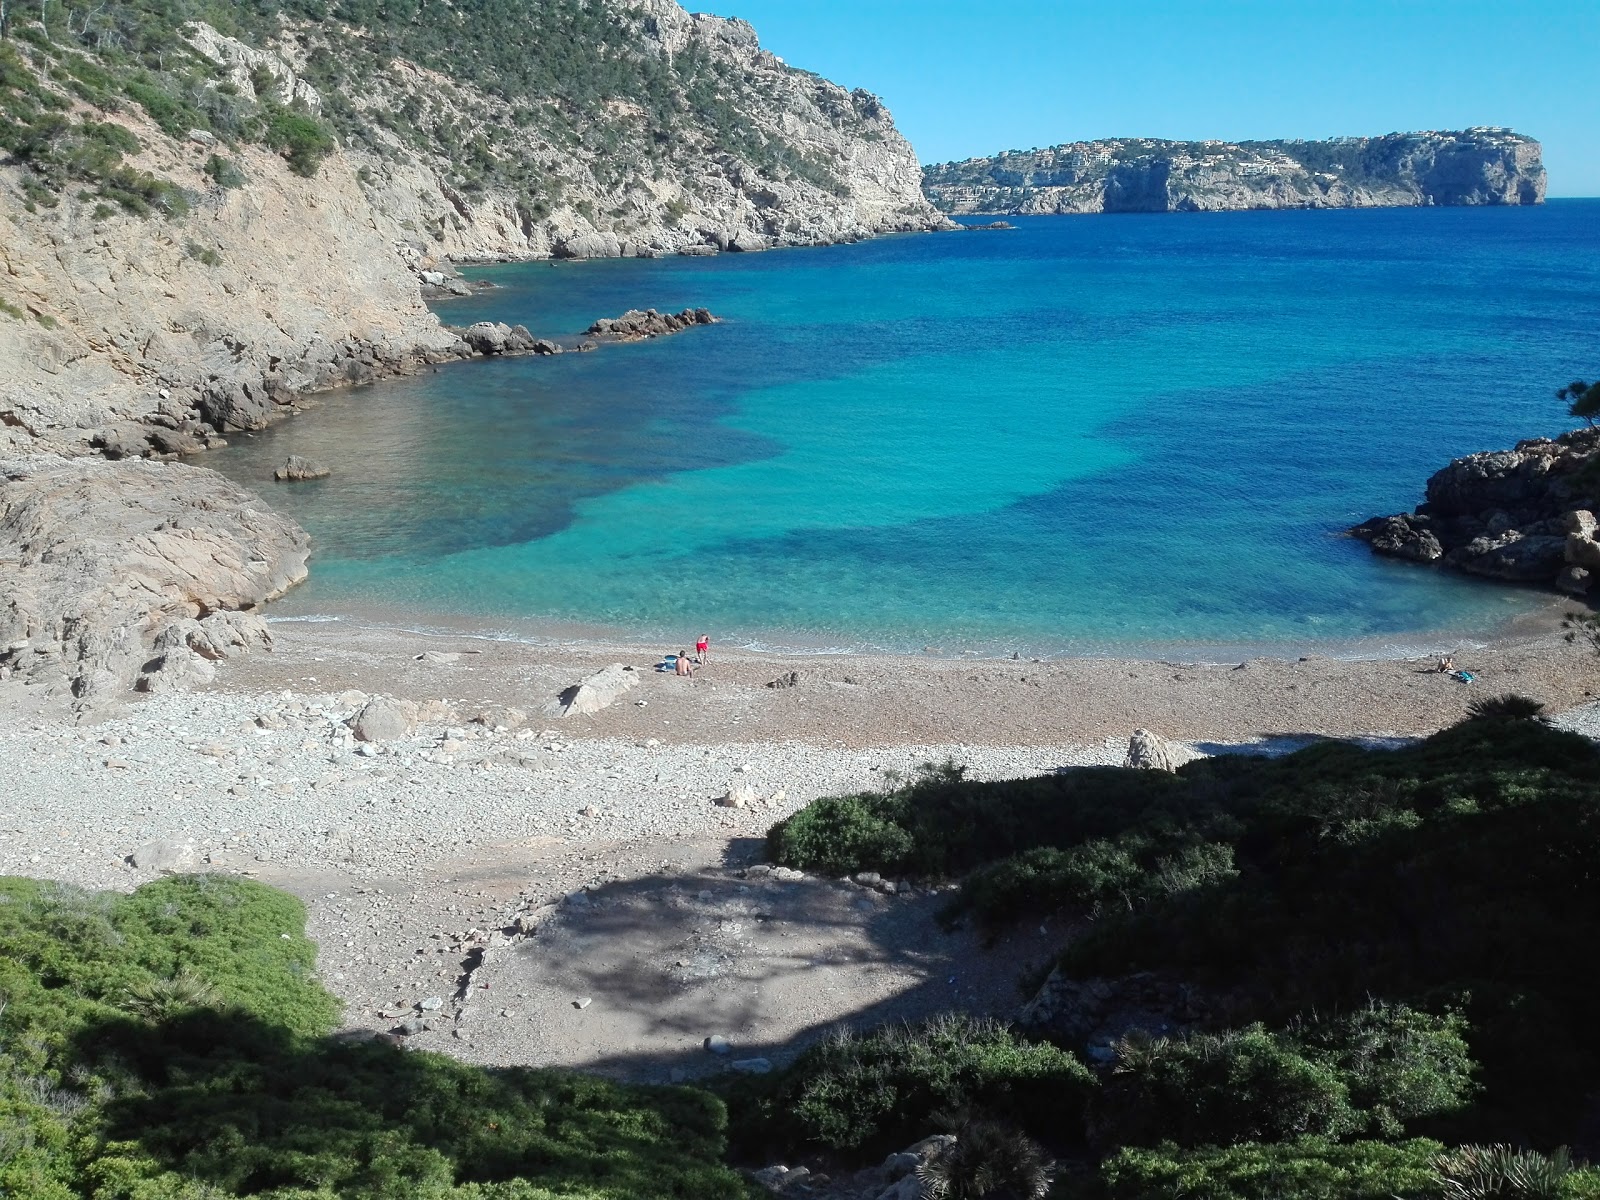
(972, 78)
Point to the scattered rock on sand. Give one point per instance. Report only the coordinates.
(752, 1066)
(438, 658)
(737, 796)
(381, 719)
(1153, 752)
(295, 468)
(792, 679)
(164, 855)
(600, 690)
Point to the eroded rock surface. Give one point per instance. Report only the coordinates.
(117, 571)
(636, 324)
(1523, 515)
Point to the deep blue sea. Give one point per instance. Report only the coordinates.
(1088, 434)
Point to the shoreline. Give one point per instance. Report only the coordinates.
(1542, 618)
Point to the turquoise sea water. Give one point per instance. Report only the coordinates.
(1086, 434)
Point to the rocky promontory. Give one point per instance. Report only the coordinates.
(1483, 165)
(1524, 515)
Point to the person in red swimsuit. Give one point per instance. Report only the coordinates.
(702, 648)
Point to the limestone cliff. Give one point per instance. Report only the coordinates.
(1473, 167)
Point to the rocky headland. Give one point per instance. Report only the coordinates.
(1524, 515)
(1475, 166)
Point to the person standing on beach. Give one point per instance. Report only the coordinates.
(702, 648)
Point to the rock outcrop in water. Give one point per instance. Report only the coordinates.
(1524, 515)
(1474, 166)
(635, 325)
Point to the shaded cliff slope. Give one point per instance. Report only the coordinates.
(1475, 166)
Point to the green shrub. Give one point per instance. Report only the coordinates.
(1244, 1085)
(224, 172)
(1310, 1168)
(1372, 1071)
(1097, 877)
(299, 137)
(1398, 1063)
(881, 1090)
(170, 1045)
(205, 254)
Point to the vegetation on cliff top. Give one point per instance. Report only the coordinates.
(582, 75)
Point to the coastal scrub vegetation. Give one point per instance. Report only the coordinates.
(1378, 945)
(579, 72)
(173, 1044)
(1583, 400)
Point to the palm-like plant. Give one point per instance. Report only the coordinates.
(160, 999)
(1520, 708)
(1478, 1172)
(987, 1161)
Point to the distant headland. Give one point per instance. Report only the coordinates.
(1484, 165)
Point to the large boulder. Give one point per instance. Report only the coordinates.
(383, 719)
(1152, 752)
(1401, 536)
(598, 691)
(101, 558)
(296, 468)
(1523, 515)
(1512, 556)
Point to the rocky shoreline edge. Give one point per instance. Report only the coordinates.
(1524, 515)
(127, 570)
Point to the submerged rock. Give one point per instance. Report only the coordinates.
(296, 468)
(636, 325)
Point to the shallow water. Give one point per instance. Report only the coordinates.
(1084, 435)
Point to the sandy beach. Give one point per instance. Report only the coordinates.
(518, 887)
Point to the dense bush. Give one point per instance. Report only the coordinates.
(1457, 871)
(170, 1045)
(884, 1089)
(1370, 1072)
(299, 137)
(1310, 1168)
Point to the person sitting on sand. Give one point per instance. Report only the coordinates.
(684, 667)
(702, 649)
(1447, 665)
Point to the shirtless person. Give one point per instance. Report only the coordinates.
(702, 648)
(684, 666)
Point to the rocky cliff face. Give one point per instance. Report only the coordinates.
(1475, 166)
(1524, 515)
(269, 277)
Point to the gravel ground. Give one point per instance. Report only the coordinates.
(516, 888)
(198, 769)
